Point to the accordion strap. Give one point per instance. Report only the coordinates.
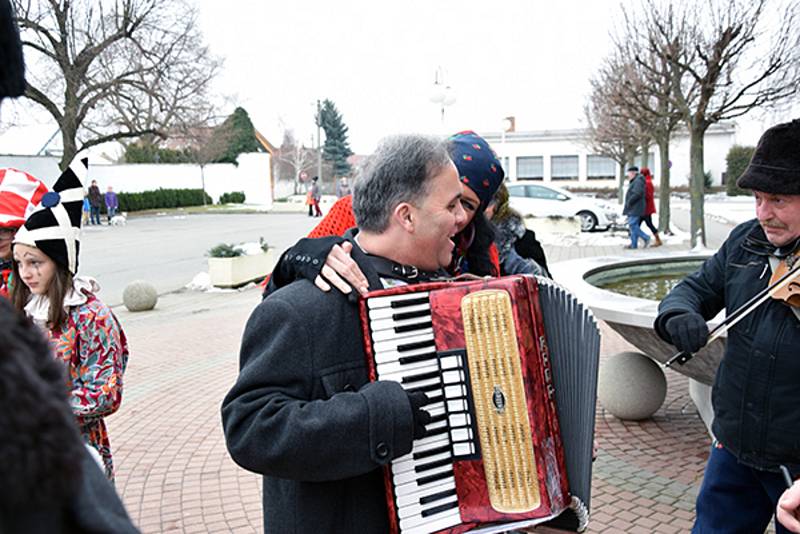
(408, 273)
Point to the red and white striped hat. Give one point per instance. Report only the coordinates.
(20, 193)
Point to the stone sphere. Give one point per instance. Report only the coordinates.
(631, 386)
(140, 296)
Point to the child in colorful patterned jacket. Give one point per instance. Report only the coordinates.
(84, 332)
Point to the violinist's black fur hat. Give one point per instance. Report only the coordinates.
(775, 167)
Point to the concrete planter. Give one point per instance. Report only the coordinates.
(240, 270)
(554, 225)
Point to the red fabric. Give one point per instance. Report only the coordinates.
(649, 196)
(494, 256)
(337, 221)
(20, 193)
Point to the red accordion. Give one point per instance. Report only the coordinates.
(495, 455)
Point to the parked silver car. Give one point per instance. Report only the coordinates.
(541, 200)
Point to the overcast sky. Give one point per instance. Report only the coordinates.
(377, 61)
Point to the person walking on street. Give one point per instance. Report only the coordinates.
(650, 206)
(316, 195)
(84, 332)
(756, 391)
(95, 201)
(342, 187)
(635, 204)
(112, 203)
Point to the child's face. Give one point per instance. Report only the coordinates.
(36, 269)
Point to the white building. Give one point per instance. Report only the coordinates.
(564, 157)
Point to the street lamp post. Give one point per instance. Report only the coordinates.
(442, 94)
(319, 144)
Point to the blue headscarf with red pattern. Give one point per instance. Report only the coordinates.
(477, 164)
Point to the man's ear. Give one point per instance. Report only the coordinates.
(405, 216)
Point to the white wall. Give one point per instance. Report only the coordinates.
(252, 176)
(718, 140)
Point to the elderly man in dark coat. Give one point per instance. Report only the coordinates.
(756, 391)
(635, 206)
(302, 411)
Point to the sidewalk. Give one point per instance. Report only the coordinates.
(175, 475)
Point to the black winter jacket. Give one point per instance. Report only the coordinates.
(635, 201)
(303, 414)
(756, 393)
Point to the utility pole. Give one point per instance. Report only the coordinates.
(319, 144)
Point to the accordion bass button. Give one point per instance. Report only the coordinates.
(382, 450)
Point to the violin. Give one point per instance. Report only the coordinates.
(790, 292)
(784, 285)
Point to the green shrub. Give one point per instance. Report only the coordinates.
(236, 197)
(223, 250)
(737, 160)
(162, 198)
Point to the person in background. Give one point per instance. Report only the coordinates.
(112, 203)
(342, 187)
(316, 196)
(20, 193)
(650, 206)
(95, 202)
(635, 207)
(519, 250)
(87, 208)
(86, 335)
(756, 391)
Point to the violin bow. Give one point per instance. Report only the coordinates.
(740, 313)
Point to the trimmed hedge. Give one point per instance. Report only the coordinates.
(162, 198)
(737, 160)
(236, 197)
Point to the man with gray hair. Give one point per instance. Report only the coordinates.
(302, 412)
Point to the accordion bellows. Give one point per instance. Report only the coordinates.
(510, 367)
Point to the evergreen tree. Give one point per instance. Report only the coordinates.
(239, 135)
(336, 148)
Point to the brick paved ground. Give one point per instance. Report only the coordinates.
(175, 476)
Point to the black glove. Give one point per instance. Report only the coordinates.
(418, 399)
(688, 331)
(304, 260)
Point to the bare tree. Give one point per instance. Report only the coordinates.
(733, 65)
(643, 80)
(113, 69)
(610, 132)
(295, 158)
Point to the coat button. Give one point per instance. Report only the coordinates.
(382, 450)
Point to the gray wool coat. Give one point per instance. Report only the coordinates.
(303, 414)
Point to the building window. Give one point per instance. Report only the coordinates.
(504, 162)
(564, 167)
(600, 168)
(530, 168)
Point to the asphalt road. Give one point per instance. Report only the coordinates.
(168, 251)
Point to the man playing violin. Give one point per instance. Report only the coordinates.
(756, 392)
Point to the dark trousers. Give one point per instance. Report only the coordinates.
(95, 215)
(648, 220)
(735, 498)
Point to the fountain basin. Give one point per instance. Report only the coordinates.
(632, 317)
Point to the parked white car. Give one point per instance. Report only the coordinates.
(541, 200)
